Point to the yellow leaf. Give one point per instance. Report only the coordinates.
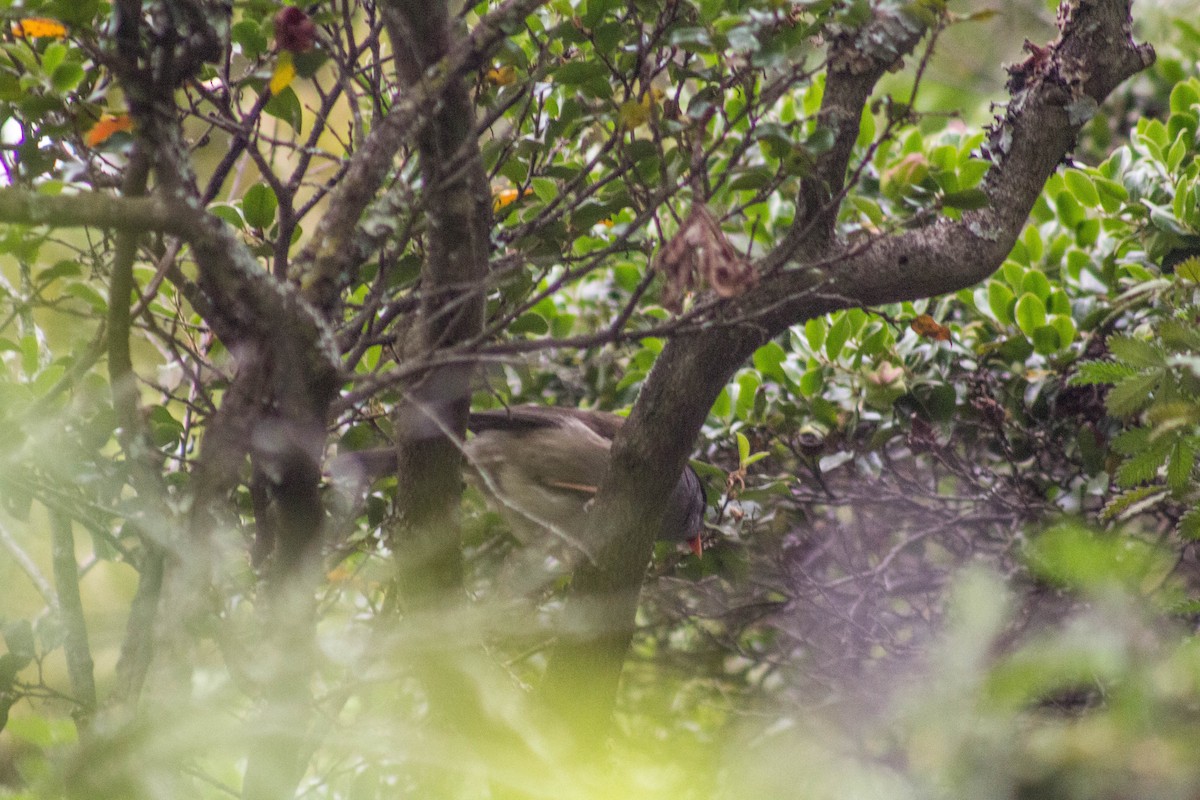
(285, 70)
(636, 112)
(39, 27)
(502, 76)
(632, 114)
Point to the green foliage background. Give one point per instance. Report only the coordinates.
(960, 569)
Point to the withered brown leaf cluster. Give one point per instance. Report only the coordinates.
(699, 250)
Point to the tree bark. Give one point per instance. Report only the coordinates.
(432, 420)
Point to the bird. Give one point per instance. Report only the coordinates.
(539, 467)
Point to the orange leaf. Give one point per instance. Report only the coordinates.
(928, 327)
(339, 574)
(39, 27)
(106, 126)
(506, 197)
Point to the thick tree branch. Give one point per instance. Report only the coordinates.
(143, 457)
(457, 208)
(94, 210)
(857, 60)
(1054, 94)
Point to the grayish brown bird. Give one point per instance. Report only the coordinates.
(539, 467)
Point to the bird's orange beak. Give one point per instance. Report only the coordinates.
(696, 545)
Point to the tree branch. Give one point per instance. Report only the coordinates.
(326, 263)
(75, 642)
(1052, 98)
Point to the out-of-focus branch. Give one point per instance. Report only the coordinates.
(70, 608)
(29, 567)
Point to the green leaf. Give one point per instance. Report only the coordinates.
(748, 383)
(259, 205)
(751, 178)
(1112, 194)
(229, 214)
(1059, 303)
(591, 75)
(530, 322)
(1136, 352)
(10, 665)
(1178, 335)
(1092, 372)
(1180, 465)
(1140, 468)
(249, 37)
(1036, 282)
(814, 331)
(1175, 155)
(285, 107)
(1132, 440)
(1189, 269)
(53, 56)
(1082, 187)
(722, 406)
(1000, 301)
(1164, 219)
(63, 269)
(693, 40)
(590, 212)
(755, 458)
(67, 76)
(1046, 340)
(75, 12)
(1070, 212)
(839, 332)
(1132, 501)
(1029, 313)
(545, 189)
(307, 64)
(1065, 326)
(1184, 97)
(1072, 555)
(877, 340)
(1132, 394)
(811, 382)
(1189, 524)
(88, 295)
(31, 354)
(743, 445)
(769, 359)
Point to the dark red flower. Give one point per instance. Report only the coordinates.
(294, 31)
